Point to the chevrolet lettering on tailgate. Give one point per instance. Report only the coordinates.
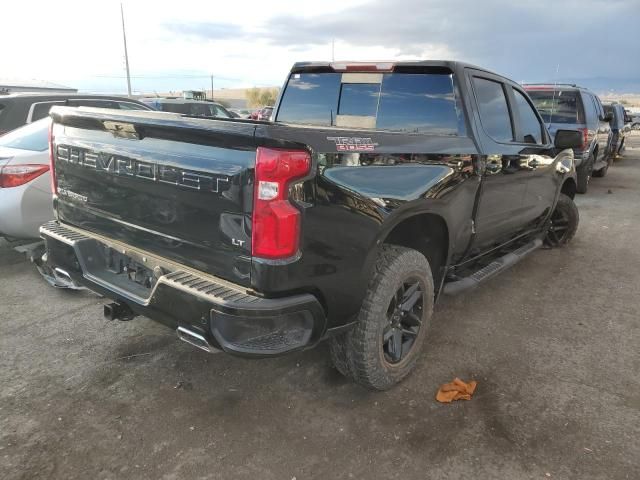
(125, 166)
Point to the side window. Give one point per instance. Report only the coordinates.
(529, 123)
(129, 106)
(494, 111)
(220, 112)
(590, 111)
(599, 107)
(92, 103)
(41, 110)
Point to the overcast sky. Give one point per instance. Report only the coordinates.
(177, 45)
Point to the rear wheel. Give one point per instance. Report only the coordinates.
(603, 171)
(584, 175)
(384, 345)
(621, 149)
(564, 222)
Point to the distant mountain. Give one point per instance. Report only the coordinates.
(605, 85)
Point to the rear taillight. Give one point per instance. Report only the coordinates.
(276, 222)
(54, 180)
(585, 137)
(16, 175)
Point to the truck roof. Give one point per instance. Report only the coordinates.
(383, 66)
(554, 86)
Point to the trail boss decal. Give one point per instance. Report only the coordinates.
(347, 144)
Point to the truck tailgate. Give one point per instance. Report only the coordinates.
(176, 187)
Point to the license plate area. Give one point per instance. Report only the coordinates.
(126, 271)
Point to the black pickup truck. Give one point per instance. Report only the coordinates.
(376, 188)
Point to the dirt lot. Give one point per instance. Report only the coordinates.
(554, 344)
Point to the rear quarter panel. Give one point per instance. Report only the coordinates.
(355, 198)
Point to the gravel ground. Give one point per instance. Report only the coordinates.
(554, 344)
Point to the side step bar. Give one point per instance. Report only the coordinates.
(497, 266)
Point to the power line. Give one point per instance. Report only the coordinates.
(159, 77)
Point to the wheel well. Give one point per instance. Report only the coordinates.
(428, 234)
(569, 188)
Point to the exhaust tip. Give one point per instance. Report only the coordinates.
(195, 339)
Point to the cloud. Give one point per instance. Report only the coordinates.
(524, 40)
(206, 30)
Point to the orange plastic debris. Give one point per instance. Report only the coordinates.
(456, 390)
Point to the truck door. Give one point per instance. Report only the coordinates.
(537, 157)
(501, 210)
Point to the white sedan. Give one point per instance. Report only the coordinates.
(25, 180)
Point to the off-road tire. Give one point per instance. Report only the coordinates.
(603, 171)
(567, 210)
(366, 361)
(584, 175)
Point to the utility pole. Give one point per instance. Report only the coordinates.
(126, 55)
(211, 87)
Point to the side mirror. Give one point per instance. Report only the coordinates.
(607, 117)
(568, 139)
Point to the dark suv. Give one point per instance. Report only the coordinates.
(21, 108)
(576, 108)
(618, 130)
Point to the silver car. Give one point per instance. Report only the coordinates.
(25, 181)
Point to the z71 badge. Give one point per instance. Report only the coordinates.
(349, 144)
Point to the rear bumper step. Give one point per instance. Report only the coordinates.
(225, 316)
(495, 267)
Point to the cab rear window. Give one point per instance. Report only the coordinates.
(404, 102)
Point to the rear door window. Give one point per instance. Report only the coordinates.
(530, 126)
(494, 110)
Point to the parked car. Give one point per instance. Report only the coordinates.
(634, 120)
(265, 113)
(618, 129)
(18, 109)
(376, 188)
(241, 112)
(574, 107)
(196, 108)
(25, 183)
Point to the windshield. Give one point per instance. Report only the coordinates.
(34, 137)
(405, 102)
(557, 106)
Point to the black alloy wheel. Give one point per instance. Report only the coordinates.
(404, 315)
(563, 223)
